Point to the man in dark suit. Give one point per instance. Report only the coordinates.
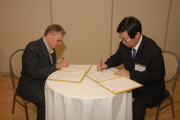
(143, 63)
(38, 62)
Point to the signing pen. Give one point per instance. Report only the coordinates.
(101, 64)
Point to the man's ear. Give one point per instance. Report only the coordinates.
(49, 35)
(138, 35)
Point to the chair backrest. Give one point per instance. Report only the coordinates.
(172, 66)
(15, 65)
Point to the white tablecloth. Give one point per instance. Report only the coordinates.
(85, 101)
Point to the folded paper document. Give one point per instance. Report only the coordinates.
(72, 73)
(113, 83)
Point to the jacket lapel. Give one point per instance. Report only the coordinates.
(129, 59)
(140, 55)
(54, 57)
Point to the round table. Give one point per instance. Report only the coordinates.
(85, 101)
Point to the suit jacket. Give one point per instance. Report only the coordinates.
(36, 67)
(149, 54)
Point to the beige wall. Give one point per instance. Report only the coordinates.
(153, 15)
(21, 22)
(173, 32)
(90, 25)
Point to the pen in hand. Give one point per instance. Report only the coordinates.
(65, 62)
(101, 65)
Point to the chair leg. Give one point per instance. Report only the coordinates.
(1, 78)
(14, 98)
(26, 110)
(172, 107)
(157, 112)
(25, 106)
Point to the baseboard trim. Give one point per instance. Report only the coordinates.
(5, 73)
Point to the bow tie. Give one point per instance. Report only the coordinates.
(50, 50)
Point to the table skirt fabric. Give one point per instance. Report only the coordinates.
(66, 107)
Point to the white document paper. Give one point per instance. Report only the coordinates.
(102, 75)
(72, 73)
(119, 85)
(72, 67)
(67, 76)
(113, 83)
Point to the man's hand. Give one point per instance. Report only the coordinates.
(62, 64)
(101, 66)
(123, 73)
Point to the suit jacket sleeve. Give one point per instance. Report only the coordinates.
(115, 59)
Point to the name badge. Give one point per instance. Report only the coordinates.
(140, 67)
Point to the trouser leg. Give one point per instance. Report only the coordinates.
(140, 104)
(40, 110)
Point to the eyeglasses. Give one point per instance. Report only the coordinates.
(124, 40)
(58, 40)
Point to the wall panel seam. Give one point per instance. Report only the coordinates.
(167, 25)
(111, 27)
(51, 11)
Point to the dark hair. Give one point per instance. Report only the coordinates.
(54, 28)
(130, 24)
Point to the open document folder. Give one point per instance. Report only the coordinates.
(113, 83)
(72, 73)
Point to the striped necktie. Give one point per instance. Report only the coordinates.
(133, 53)
(50, 50)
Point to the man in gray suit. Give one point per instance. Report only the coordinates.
(38, 62)
(143, 63)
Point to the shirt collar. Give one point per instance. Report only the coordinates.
(47, 46)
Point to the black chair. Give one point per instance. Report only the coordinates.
(15, 65)
(172, 66)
